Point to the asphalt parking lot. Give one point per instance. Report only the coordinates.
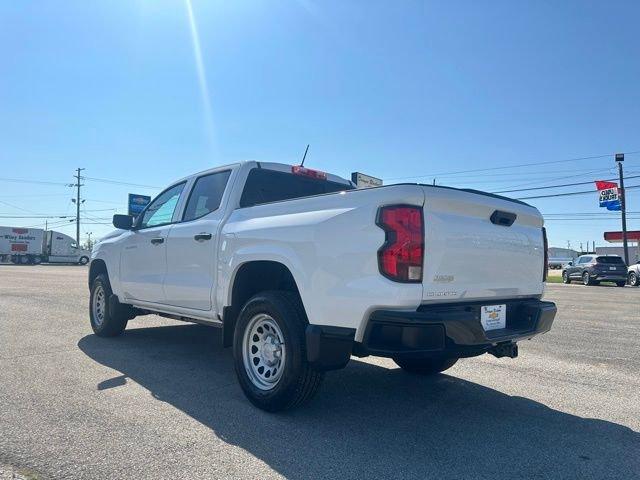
(162, 400)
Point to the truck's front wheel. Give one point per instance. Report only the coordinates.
(104, 321)
(270, 352)
(425, 366)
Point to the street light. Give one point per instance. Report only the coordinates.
(623, 208)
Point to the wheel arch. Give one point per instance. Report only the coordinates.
(249, 279)
(97, 267)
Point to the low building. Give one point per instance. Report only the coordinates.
(634, 252)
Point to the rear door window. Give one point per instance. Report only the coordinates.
(264, 186)
(206, 195)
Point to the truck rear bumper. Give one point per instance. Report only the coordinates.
(452, 330)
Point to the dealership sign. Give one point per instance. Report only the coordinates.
(137, 203)
(365, 181)
(609, 195)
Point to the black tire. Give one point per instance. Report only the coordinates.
(425, 366)
(83, 260)
(621, 284)
(105, 321)
(634, 280)
(37, 260)
(298, 382)
(586, 279)
(565, 278)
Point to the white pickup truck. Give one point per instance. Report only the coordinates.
(302, 271)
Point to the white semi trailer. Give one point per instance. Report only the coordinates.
(34, 245)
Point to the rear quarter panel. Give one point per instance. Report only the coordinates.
(330, 245)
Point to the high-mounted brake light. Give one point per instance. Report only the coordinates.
(545, 245)
(307, 172)
(401, 257)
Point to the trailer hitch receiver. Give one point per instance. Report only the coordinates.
(506, 349)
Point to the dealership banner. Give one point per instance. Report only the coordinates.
(609, 197)
(137, 203)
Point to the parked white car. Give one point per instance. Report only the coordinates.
(634, 275)
(301, 271)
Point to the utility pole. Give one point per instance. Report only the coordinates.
(623, 207)
(78, 185)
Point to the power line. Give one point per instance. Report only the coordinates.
(585, 213)
(40, 182)
(33, 195)
(593, 157)
(36, 216)
(586, 219)
(556, 178)
(560, 185)
(569, 194)
(103, 201)
(93, 179)
(16, 207)
(56, 215)
(56, 224)
(117, 182)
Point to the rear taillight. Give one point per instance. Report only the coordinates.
(401, 257)
(545, 245)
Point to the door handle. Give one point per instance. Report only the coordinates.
(201, 237)
(157, 240)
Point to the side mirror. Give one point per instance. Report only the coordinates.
(570, 264)
(124, 222)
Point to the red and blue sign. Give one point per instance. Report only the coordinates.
(609, 195)
(137, 203)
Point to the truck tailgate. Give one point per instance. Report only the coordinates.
(469, 257)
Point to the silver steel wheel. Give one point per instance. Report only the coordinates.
(99, 305)
(633, 279)
(263, 351)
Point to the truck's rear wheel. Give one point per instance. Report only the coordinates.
(269, 352)
(425, 366)
(104, 321)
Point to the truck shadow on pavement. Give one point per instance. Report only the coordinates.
(369, 421)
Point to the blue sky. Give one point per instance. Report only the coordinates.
(394, 89)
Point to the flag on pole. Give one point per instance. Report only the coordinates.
(609, 197)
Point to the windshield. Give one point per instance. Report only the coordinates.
(616, 260)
